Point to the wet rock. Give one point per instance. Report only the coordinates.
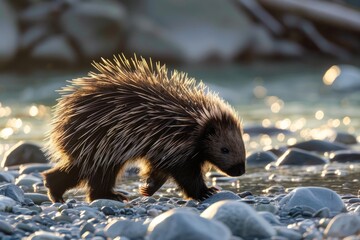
(194, 31)
(345, 156)
(12, 191)
(319, 146)
(260, 130)
(22, 153)
(258, 159)
(300, 158)
(101, 27)
(343, 225)
(270, 218)
(241, 219)
(87, 227)
(56, 48)
(126, 228)
(223, 195)
(314, 197)
(37, 198)
(6, 177)
(99, 203)
(9, 33)
(344, 138)
(182, 223)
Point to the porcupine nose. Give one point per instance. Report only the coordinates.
(236, 170)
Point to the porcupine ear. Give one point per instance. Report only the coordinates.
(209, 130)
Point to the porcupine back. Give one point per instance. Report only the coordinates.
(131, 110)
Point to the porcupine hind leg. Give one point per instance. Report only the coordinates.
(155, 179)
(58, 180)
(191, 182)
(101, 184)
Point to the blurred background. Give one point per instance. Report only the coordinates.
(289, 64)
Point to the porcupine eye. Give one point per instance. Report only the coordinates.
(224, 150)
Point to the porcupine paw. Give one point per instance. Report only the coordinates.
(208, 193)
(113, 196)
(147, 190)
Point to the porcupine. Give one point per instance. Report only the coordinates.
(134, 111)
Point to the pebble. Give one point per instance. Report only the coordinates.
(12, 191)
(34, 168)
(6, 227)
(42, 235)
(6, 203)
(343, 225)
(241, 219)
(127, 228)
(223, 195)
(6, 177)
(37, 198)
(185, 224)
(314, 197)
(99, 203)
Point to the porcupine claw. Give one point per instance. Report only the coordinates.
(210, 191)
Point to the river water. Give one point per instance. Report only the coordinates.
(288, 95)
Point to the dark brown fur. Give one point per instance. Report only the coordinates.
(131, 112)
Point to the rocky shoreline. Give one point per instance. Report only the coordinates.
(305, 212)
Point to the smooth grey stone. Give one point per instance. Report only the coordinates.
(43, 235)
(9, 33)
(344, 138)
(87, 227)
(107, 210)
(41, 11)
(300, 157)
(343, 225)
(26, 227)
(6, 227)
(23, 153)
(101, 26)
(127, 228)
(99, 203)
(319, 146)
(314, 197)
(287, 233)
(185, 224)
(37, 198)
(153, 212)
(270, 217)
(223, 195)
(6, 203)
(34, 168)
(345, 156)
(6, 177)
(258, 159)
(260, 130)
(322, 213)
(27, 180)
(266, 208)
(241, 219)
(12, 191)
(191, 203)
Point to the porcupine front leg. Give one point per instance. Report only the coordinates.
(101, 184)
(191, 181)
(153, 182)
